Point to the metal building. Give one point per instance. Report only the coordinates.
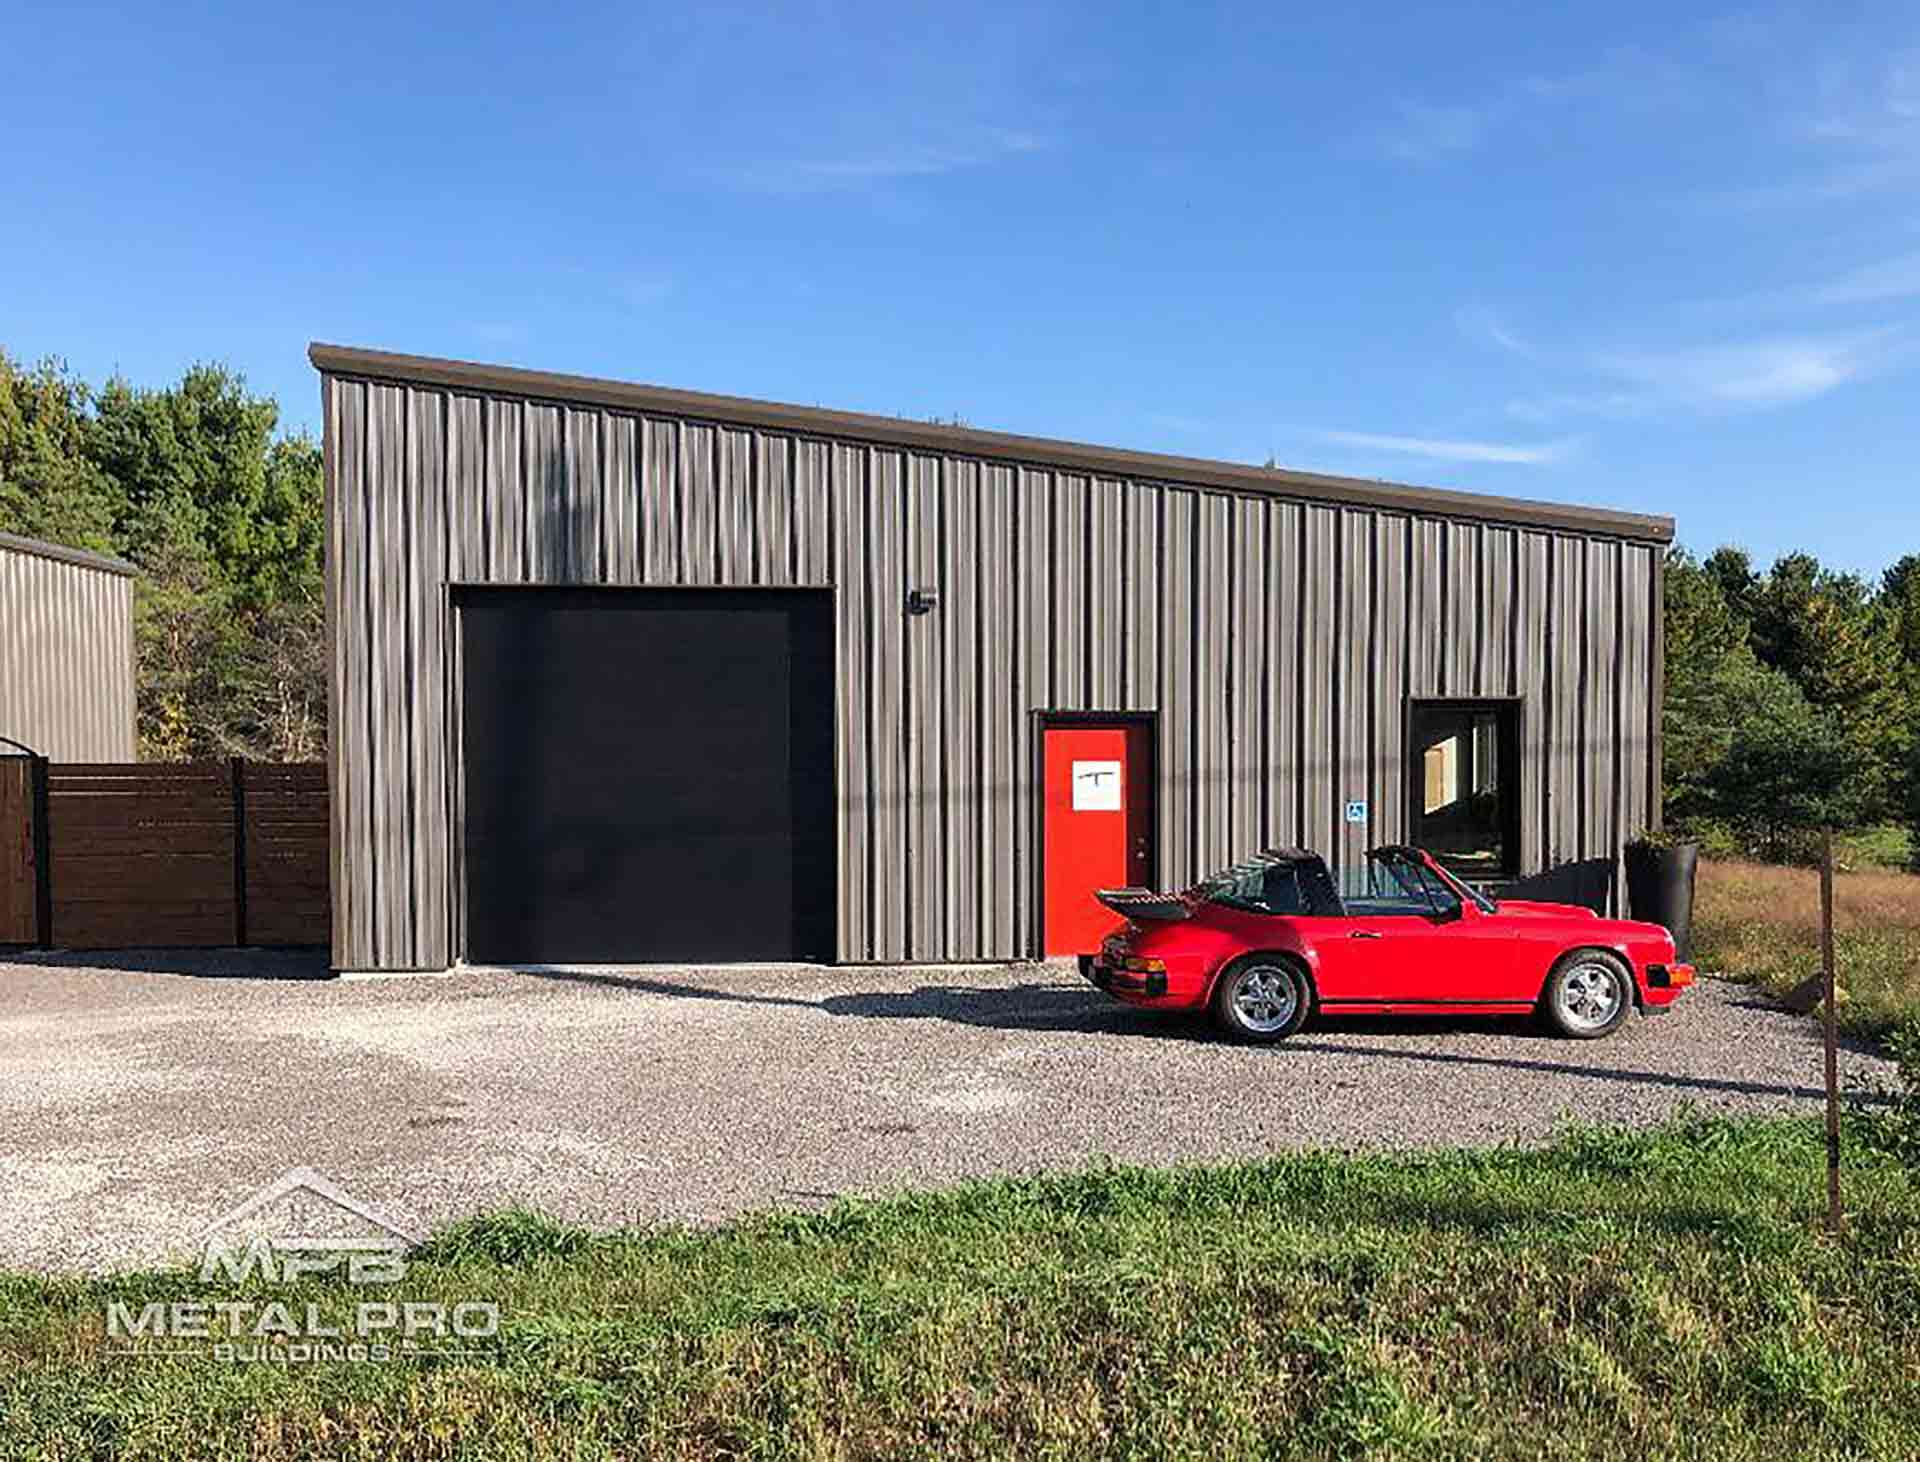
(624, 673)
(66, 652)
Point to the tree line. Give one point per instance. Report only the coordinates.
(220, 511)
(1792, 700)
(1793, 693)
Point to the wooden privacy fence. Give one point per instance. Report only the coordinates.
(112, 856)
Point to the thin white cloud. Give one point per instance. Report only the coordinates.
(1623, 80)
(886, 164)
(1890, 279)
(1752, 374)
(837, 97)
(1479, 323)
(1444, 449)
(1544, 410)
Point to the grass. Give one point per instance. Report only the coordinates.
(1656, 1294)
(1761, 922)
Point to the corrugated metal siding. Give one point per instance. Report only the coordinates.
(66, 657)
(1278, 640)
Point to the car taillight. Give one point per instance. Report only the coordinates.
(1146, 966)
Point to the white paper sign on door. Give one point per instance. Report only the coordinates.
(1096, 786)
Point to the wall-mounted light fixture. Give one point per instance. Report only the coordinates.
(922, 601)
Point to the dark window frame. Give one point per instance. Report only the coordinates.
(1512, 729)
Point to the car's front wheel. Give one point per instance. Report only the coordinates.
(1588, 994)
(1261, 998)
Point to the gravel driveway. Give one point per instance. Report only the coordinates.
(143, 1100)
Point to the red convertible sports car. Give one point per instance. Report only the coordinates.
(1273, 939)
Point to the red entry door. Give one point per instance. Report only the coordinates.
(1099, 827)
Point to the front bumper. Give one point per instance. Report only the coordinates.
(1150, 984)
(1664, 984)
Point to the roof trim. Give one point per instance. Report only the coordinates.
(342, 360)
(80, 556)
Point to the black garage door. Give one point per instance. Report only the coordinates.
(648, 774)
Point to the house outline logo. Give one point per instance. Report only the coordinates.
(378, 1258)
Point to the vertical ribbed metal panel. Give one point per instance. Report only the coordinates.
(620, 469)
(887, 828)
(1140, 596)
(697, 505)
(1110, 621)
(772, 542)
(925, 673)
(390, 692)
(1530, 656)
(1600, 671)
(1065, 571)
(1460, 591)
(1319, 629)
(1566, 699)
(1212, 629)
(1284, 778)
(1179, 785)
(1247, 676)
(814, 539)
(852, 568)
(960, 739)
(1635, 684)
(659, 515)
(733, 511)
(427, 739)
(1495, 665)
(1001, 716)
(1357, 690)
(1392, 777)
(1278, 641)
(1426, 629)
(66, 656)
(349, 730)
(504, 505)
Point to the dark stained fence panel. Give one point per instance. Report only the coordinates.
(286, 853)
(147, 855)
(141, 855)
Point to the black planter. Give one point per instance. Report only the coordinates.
(1660, 888)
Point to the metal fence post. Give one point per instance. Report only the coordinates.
(239, 770)
(42, 856)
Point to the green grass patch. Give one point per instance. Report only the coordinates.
(1662, 1294)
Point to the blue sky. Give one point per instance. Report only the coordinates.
(1596, 254)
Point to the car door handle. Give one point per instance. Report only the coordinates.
(1364, 934)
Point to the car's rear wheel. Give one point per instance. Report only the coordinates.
(1588, 995)
(1261, 998)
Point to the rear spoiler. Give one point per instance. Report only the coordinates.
(1144, 904)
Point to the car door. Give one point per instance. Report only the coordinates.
(1409, 939)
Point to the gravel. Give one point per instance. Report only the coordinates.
(145, 1098)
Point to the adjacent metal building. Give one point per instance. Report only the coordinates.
(1308, 659)
(66, 652)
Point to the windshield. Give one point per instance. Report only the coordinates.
(1486, 902)
(1400, 881)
